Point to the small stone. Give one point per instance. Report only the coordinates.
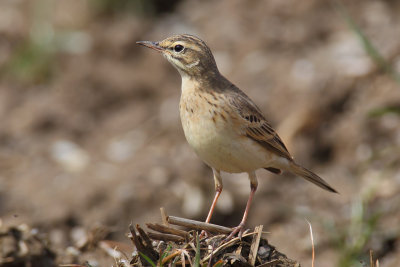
(264, 252)
(69, 155)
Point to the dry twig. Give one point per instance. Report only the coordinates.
(255, 244)
(209, 227)
(312, 244)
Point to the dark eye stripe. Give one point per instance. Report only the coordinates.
(181, 56)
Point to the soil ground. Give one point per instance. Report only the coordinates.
(90, 136)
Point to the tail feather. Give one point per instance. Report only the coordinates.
(310, 176)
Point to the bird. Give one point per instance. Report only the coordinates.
(222, 124)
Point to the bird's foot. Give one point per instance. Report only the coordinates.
(237, 230)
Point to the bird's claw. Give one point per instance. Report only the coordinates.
(237, 230)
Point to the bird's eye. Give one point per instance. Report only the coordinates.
(178, 48)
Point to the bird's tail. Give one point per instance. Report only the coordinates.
(310, 176)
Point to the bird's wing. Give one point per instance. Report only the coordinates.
(256, 126)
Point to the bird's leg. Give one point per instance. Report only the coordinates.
(253, 187)
(218, 190)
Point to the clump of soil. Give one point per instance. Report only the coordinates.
(203, 244)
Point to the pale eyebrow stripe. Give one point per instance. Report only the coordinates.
(193, 47)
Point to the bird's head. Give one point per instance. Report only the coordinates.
(187, 53)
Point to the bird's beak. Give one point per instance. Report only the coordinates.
(152, 45)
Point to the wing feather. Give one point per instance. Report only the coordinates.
(256, 126)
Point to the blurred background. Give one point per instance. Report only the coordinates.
(90, 131)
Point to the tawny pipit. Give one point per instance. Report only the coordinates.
(222, 124)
